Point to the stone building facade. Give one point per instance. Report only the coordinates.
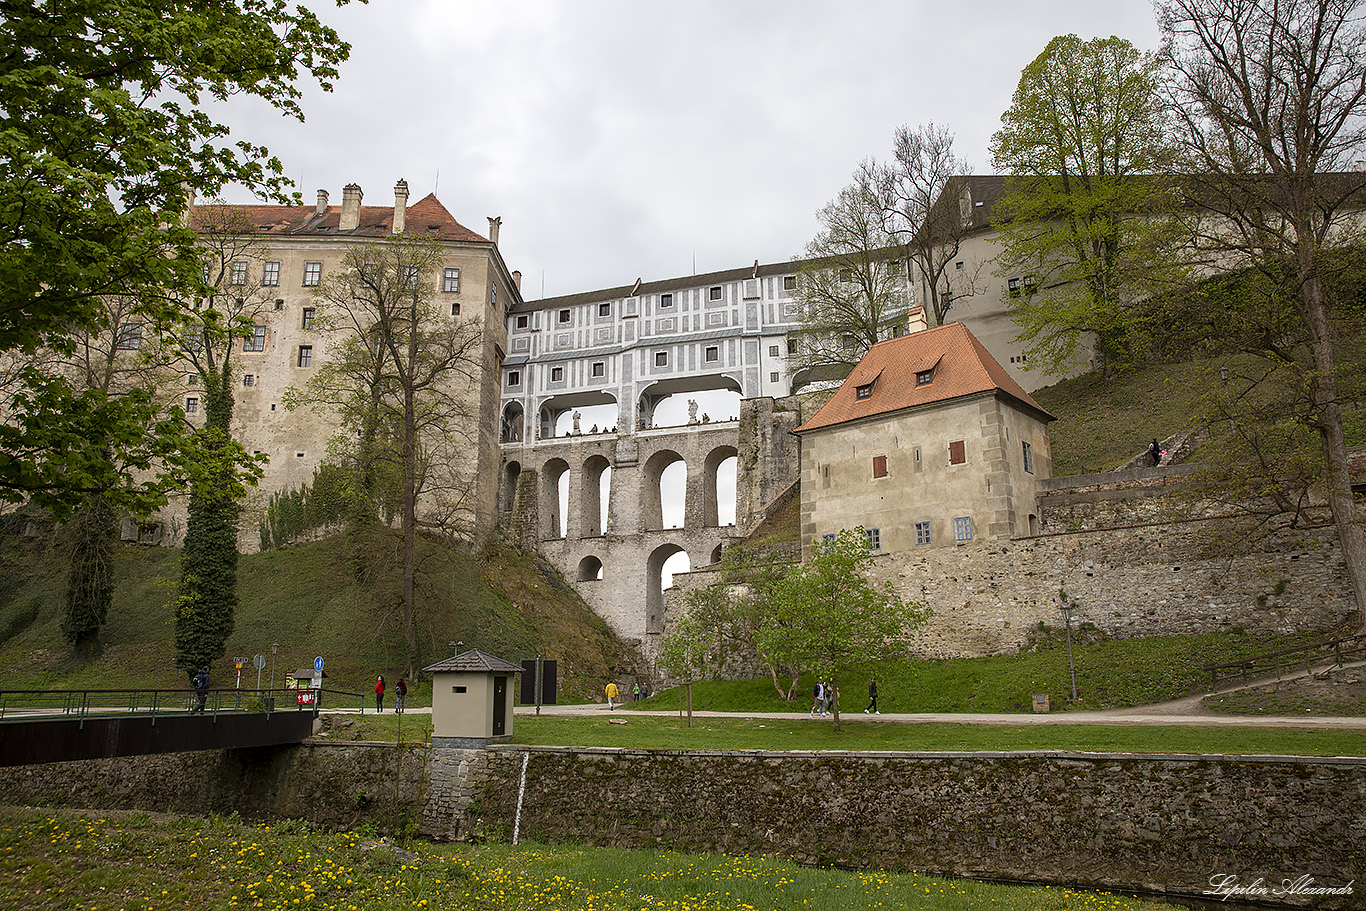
(293, 250)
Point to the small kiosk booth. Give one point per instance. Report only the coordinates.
(471, 700)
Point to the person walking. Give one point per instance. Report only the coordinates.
(1155, 452)
(635, 692)
(201, 688)
(872, 698)
(818, 699)
(400, 692)
(379, 694)
(612, 692)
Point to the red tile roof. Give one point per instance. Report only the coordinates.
(427, 217)
(962, 366)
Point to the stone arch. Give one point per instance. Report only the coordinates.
(716, 553)
(1033, 524)
(710, 507)
(597, 472)
(553, 474)
(507, 493)
(654, 585)
(652, 507)
(513, 426)
(590, 569)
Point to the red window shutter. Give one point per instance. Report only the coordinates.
(957, 456)
(880, 466)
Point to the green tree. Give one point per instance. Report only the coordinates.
(221, 321)
(105, 131)
(1271, 104)
(402, 371)
(824, 613)
(852, 290)
(1084, 218)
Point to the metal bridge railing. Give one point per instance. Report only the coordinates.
(104, 703)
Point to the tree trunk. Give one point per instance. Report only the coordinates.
(409, 525)
(835, 703)
(1338, 483)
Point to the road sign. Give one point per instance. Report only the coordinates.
(259, 661)
(318, 664)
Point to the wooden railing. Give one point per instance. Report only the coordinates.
(1338, 651)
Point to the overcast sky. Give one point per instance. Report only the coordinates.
(631, 139)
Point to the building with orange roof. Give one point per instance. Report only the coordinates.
(929, 442)
(292, 251)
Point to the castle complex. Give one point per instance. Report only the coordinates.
(933, 443)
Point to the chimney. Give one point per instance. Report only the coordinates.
(517, 279)
(400, 205)
(321, 208)
(494, 225)
(350, 214)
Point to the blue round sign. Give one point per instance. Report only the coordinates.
(318, 663)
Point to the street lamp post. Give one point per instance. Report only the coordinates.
(274, 651)
(1065, 607)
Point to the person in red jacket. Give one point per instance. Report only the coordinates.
(379, 694)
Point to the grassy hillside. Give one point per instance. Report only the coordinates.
(305, 598)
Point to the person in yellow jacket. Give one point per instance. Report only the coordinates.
(612, 692)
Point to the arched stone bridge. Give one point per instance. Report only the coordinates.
(616, 560)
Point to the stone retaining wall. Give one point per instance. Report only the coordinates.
(336, 785)
(1165, 823)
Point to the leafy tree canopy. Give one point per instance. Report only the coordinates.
(104, 135)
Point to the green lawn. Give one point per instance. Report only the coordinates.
(102, 862)
(671, 733)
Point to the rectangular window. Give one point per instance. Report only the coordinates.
(313, 274)
(879, 466)
(1028, 457)
(772, 350)
(1030, 285)
(773, 377)
(599, 368)
(522, 322)
(237, 272)
(828, 540)
(789, 283)
(305, 355)
(1013, 287)
(661, 358)
(962, 529)
(130, 337)
(666, 301)
(958, 265)
(270, 275)
(874, 538)
(279, 305)
(564, 316)
(924, 377)
(450, 281)
(864, 392)
(957, 453)
(248, 379)
(455, 308)
(712, 353)
(191, 404)
(256, 341)
(714, 293)
(557, 374)
(605, 309)
(922, 533)
(410, 277)
(309, 315)
(514, 377)
(791, 346)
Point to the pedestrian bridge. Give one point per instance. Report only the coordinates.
(38, 726)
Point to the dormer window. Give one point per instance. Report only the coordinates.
(924, 377)
(864, 392)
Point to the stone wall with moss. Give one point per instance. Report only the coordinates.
(1164, 823)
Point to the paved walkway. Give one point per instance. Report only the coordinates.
(1147, 715)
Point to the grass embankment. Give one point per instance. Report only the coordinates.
(1111, 673)
(105, 862)
(307, 599)
(668, 732)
